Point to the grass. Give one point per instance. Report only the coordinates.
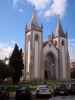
(32, 85)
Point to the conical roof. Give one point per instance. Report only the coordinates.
(33, 24)
(59, 30)
(34, 18)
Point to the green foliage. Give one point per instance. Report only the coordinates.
(16, 64)
(31, 86)
(3, 70)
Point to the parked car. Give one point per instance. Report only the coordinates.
(72, 89)
(43, 91)
(4, 94)
(23, 93)
(61, 90)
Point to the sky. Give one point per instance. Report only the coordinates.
(15, 14)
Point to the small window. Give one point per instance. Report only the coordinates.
(29, 37)
(63, 42)
(36, 37)
(49, 45)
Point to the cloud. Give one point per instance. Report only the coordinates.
(18, 5)
(15, 2)
(5, 52)
(6, 49)
(39, 4)
(21, 10)
(47, 7)
(50, 7)
(58, 7)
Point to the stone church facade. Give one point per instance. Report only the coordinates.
(47, 60)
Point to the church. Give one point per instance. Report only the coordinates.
(46, 60)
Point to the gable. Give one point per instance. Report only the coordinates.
(50, 48)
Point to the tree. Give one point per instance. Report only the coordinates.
(3, 70)
(16, 64)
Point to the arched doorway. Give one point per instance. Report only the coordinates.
(50, 67)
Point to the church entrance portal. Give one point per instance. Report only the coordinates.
(50, 70)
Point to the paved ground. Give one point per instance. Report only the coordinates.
(63, 98)
(55, 98)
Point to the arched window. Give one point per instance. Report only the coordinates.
(62, 42)
(36, 37)
(49, 45)
(28, 37)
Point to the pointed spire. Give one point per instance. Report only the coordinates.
(59, 30)
(34, 24)
(34, 17)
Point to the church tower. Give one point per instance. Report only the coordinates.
(61, 40)
(33, 49)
